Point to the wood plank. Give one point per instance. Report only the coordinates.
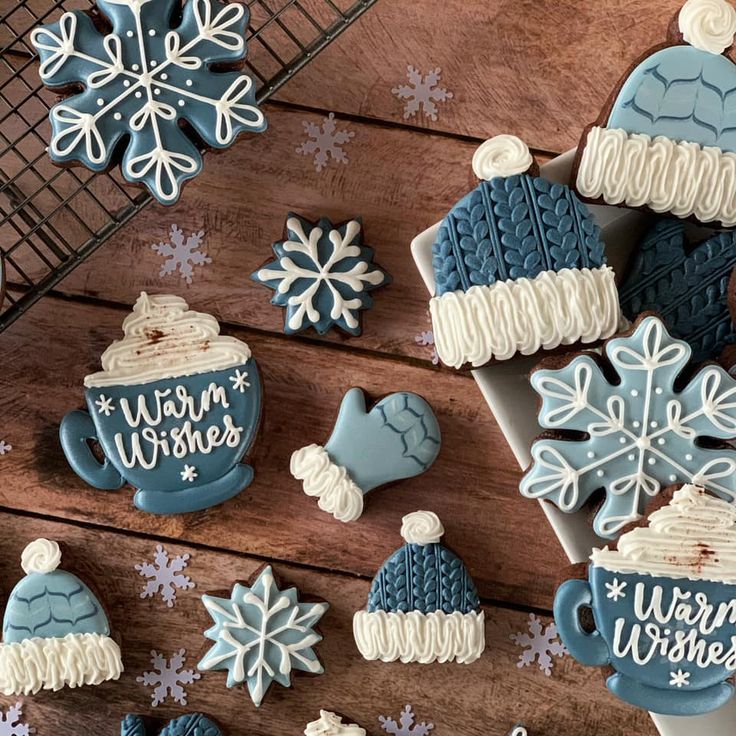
(473, 486)
(486, 697)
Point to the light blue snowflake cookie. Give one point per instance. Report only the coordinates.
(398, 438)
(262, 635)
(322, 275)
(142, 82)
(634, 436)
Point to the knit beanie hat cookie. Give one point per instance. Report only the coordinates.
(518, 264)
(55, 633)
(667, 139)
(423, 606)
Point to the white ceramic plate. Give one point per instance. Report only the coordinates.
(506, 389)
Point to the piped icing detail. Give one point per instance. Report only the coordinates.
(708, 25)
(502, 155)
(165, 339)
(42, 555)
(693, 537)
(330, 724)
(422, 527)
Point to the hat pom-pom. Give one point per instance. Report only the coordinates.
(502, 155)
(422, 527)
(42, 555)
(708, 25)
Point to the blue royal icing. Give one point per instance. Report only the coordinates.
(192, 724)
(144, 79)
(688, 288)
(322, 275)
(635, 436)
(681, 93)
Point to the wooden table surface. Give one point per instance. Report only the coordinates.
(538, 68)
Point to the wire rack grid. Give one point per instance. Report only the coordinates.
(52, 218)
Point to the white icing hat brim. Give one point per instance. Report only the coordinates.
(420, 637)
(523, 316)
(51, 664)
(335, 490)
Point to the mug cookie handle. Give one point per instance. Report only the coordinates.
(588, 649)
(76, 429)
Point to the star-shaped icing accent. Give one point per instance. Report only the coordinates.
(616, 589)
(240, 380)
(105, 405)
(679, 678)
(189, 473)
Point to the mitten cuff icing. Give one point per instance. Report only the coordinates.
(330, 483)
(524, 315)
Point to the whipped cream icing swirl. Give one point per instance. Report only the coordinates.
(165, 339)
(693, 537)
(709, 25)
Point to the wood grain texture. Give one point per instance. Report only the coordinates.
(487, 697)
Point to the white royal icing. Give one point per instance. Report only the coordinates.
(419, 637)
(330, 724)
(51, 664)
(693, 537)
(42, 555)
(709, 25)
(422, 527)
(524, 315)
(502, 155)
(681, 178)
(335, 490)
(165, 339)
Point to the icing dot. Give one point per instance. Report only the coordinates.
(631, 457)
(164, 76)
(653, 424)
(138, 95)
(100, 101)
(126, 83)
(135, 67)
(189, 83)
(118, 116)
(688, 456)
(130, 34)
(181, 103)
(661, 441)
(636, 423)
(152, 32)
(591, 454)
(157, 91)
(667, 632)
(599, 473)
(634, 392)
(622, 440)
(153, 63)
(658, 390)
(673, 478)
(652, 460)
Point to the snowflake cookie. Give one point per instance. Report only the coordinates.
(154, 76)
(192, 724)
(662, 600)
(262, 634)
(398, 438)
(406, 725)
(330, 724)
(322, 275)
(631, 424)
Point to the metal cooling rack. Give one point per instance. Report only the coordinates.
(52, 218)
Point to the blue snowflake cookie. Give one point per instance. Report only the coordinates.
(262, 635)
(688, 287)
(192, 724)
(630, 428)
(667, 141)
(322, 275)
(519, 265)
(146, 83)
(398, 438)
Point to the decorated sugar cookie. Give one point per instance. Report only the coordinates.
(192, 724)
(422, 606)
(519, 266)
(666, 140)
(175, 408)
(398, 438)
(330, 724)
(322, 275)
(262, 634)
(157, 69)
(686, 284)
(664, 606)
(650, 429)
(55, 632)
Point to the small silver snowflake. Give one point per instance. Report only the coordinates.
(181, 253)
(406, 725)
(10, 722)
(426, 340)
(164, 576)
(168, 677)
(325, 142)
(422, 93)
(540, 643)
(5, 447)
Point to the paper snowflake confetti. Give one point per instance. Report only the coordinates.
(261, 635)
(322, 275)
(164, 576)
(325, 142)
(426, 340)
(406, 725)
(10, 722)
(168, 677)
(5, 447)
(637, 436)
(422, 93)
(540, 643)
(181, 254)
(141, 81)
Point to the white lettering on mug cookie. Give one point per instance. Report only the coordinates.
(183, 405)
